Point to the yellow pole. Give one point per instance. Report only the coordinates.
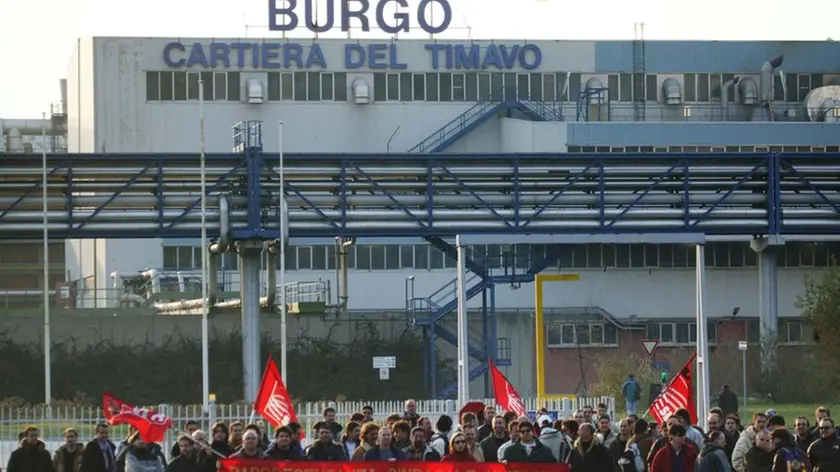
(540, 337)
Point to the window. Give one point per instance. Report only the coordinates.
(393, 87)
(679, 333)
(503, 348)
(791, 332)
(307, 86)
(180, 86)
(560, 335)
(419, 87)
(234, 89)
(300, 86)
(184, 86)
(313, 84)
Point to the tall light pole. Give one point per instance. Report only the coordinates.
(283, 236)
(742, 346)
(46, 236)
(205, 254)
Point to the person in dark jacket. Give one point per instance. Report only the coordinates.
(727, 401)
(420, 449)
(786, 456)
(250, 449)
(68, 458)
(589, 455)
(759, 457)
(802, 436)
(100, 453)
(824, 453)
(385, 450)
(486, 429)
(31, 456)
(410, 415)
(324, 449)
(221, 440)
(282, 448)
(491, 444)
(190, 427)
(187, 459)
(713, 457)
(527, 448)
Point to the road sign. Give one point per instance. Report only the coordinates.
(649, 345)
(742, 345)
(384, 362)
(384, 373)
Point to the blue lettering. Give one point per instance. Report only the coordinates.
(220, 52)
(289, 12)
(255, 55)
(467, 58)
(523, 57)
(402, 18)
(284, 18)
(312, 21)
(271, 56)
(421, 16)
(435, 49)
(292, 52)
(376, 53)
(316, 57)
(167, 55)
(448, 56)
(197, 56)
(509, 59)
(240, 53)
(395, 63)
(491, 58)
(346, 14)
(354, 56)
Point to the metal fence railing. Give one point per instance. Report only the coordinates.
(53, 421)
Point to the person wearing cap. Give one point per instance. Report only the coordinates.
(553, 439)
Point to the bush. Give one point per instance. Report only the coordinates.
(613, 369)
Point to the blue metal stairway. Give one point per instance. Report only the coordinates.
(481, 112)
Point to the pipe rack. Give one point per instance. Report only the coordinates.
(340, 195)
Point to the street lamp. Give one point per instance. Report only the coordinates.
(742, 346)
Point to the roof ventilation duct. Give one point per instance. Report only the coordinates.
(823, 104)
(672, 91)
(254, 88)
(748, 91)
(361, 91)
(724, 96)
(765, 89)
(595, 85)
(15, 142)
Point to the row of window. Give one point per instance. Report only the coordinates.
(701, 149)
(451, 86)
(522, 256)
(669, 334)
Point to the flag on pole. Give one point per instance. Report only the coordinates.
(273, 402)
(506, 396)
(151, 425)
(678, 394)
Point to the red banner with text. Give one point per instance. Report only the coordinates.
(238, 465)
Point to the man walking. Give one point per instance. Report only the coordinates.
(632, 391)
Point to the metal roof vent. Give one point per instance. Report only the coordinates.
(823, 104)
(748, 91)
(672, 91)
(254, 89)
(361, 91)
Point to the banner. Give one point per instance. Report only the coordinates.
(273, 402)
(151, 425)
(506, 395)
(238, 465)
(678, 394)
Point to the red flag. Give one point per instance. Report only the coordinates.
(678, 394)
(273, 402)
(151, 425)
(506, 396)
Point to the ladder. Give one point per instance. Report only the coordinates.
(639, 73)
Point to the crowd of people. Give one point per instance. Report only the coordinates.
(589, 441)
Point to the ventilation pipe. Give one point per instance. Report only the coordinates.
(748, 91)
(823, 104)
(342, 245)
(31, 127)
(214, 259)
(724, 96)
(15, 143)
(271, 276)
(672, 91)
(62, 86)
(765, 89)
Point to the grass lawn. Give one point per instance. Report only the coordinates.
(788, 410)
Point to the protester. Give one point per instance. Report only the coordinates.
(68, 457)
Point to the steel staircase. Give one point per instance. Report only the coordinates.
(481, 112)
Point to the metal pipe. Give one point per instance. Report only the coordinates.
(283, 236)
(463, 328)
(46, 259)
(42, 127)
(205, 254)
(724, 96)
(702, 340)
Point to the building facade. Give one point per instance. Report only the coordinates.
(141, 95)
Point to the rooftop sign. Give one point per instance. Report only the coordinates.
(358, 9)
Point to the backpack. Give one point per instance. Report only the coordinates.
(445, 440)
(794, 459)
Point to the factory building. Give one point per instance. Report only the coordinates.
(141, 95)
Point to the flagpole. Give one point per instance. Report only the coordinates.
(283, 236)
(46, 259)
(205, 254)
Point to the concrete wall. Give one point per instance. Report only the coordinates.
(81, 97)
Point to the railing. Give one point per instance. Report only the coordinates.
(454, 127)
(53, 422)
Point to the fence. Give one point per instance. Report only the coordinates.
(53, 422)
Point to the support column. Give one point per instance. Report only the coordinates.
(702, 373)
(250, 264)
(767, 250)
(463, 329)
